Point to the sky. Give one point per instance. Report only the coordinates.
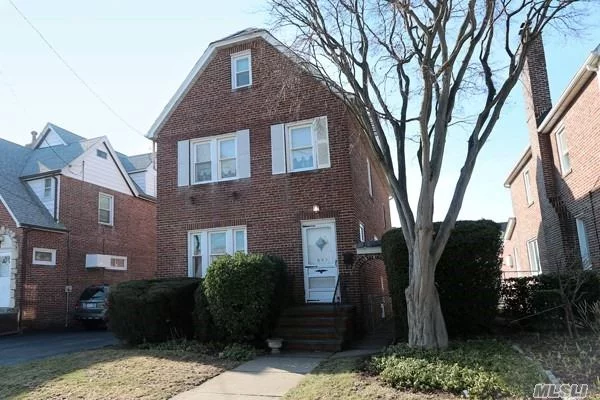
(134, 54)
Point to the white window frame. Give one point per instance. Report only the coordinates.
(527, 183)
(47, 187)
(205, 248)
(52, 262)
(289, 150)
(111, 210)
(235, 57)
(362, 237)
(215, 158)
(537, 268)
(369, 178)
(584, 244)
(563, 152)
(111, 267)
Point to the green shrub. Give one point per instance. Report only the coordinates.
(238, 352)
(244, 293)
(484, 369)
(535, 301)
(152, 310)
(204, 329)
(467, 277)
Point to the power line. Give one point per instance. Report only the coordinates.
(83, 82)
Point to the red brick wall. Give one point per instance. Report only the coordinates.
(561, 199)
(271, 206)
(133, 235)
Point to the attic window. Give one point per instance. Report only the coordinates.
(101, 154)
(241, 70)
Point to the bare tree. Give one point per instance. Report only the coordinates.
(389, 59)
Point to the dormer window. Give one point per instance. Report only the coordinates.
(241, 70)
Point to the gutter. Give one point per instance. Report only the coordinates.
(46, 174)
(586, 72)
(45, 228)
(517, 168)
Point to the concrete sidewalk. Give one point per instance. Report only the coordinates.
(267, 377)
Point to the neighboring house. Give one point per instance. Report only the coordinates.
(256, 155)
(555, 184)
(73, 212)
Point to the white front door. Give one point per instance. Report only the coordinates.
(5, 280)
(320, 260)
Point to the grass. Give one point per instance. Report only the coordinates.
(343, 378)
(111, 374)
(571, 360)
(488, 369)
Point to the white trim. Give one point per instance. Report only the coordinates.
(538, 269)
(289, 150)
(52, 262)
(5, 204)
(562, 148)
(205, 245)
(362, 237)
(368, 250)
(204, 60)
(237, 56)
(584, 244)
(215, 161)
(518, 167)
(527, 184)
(305, 225)
(369, 178)
(110, 267)
(510, 227)
(112, 209)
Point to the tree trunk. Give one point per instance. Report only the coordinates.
(426, 326)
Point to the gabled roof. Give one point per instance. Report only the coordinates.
(190, 80)
(17, 163)
(22, 204)
(67, 137)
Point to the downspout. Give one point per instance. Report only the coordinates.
(23, 277)
(55, 198)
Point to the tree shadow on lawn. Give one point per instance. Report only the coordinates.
(114, 372)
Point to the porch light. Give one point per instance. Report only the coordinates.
(316, 208)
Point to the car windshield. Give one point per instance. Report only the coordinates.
(93, 293)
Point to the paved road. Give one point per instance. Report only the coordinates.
(16, 349)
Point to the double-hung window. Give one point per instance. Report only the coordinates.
(527, 182)
(241, 70)
(205, 246)
(214, 160)
(302, 150)
(533, 253)
(563, 152)
(106, 204)
(584, 248)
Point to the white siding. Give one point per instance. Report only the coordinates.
(146, 180)
(98, 171)
(38, 187)
(51, 139)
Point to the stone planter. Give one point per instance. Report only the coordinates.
(275, 345)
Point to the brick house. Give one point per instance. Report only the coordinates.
(73, 212)
(254, 154)
(554, 185)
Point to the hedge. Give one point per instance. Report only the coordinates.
(245, 293)
(535, 301)
(467, 277)
(153, 310)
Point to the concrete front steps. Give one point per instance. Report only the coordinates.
(316, 327)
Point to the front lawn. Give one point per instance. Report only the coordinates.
(111, 374)
(484, 369)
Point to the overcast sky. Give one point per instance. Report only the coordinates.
(134, 54)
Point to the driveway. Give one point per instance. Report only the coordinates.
(21, 348)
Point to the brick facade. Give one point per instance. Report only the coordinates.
(270, 206)
(560, 198)
(41, 296)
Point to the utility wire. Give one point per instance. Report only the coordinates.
(83, 82)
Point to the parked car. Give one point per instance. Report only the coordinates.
(92, 307)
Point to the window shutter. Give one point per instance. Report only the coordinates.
(322, 142)
(183, 163)
(278, 149)
(243, 153)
